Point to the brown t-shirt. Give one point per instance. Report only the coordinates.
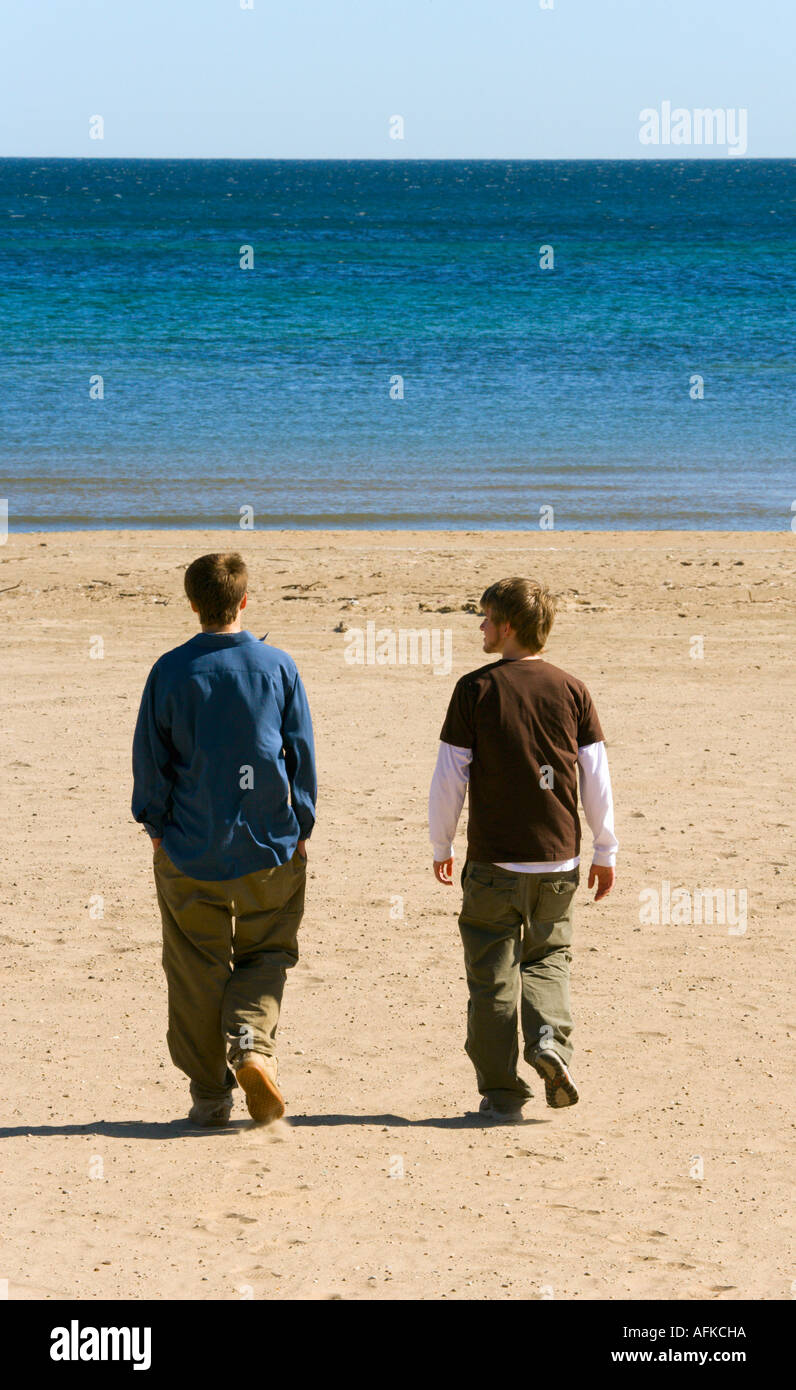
(520, 717)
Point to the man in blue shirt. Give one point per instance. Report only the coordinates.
(225, 785)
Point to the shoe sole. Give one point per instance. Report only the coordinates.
(560, 1090)
(264, 1102)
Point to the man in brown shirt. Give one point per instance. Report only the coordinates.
(522, 733)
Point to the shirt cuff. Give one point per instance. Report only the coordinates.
(442, 852)
(606, 858)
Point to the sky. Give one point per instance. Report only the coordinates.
(315, 79)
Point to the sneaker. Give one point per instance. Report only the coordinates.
(210, 1114)
(560, 1089)
(263, 1097)
(505, 1117)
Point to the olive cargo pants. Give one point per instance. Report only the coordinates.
(517, 932)
(226, 948)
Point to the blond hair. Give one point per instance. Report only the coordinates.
(526, 605)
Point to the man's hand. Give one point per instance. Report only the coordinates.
(302, 844)
(157, 841)
(604, 877)
(443, 871)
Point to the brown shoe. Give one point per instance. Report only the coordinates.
(263, 1097)
(210, 1114)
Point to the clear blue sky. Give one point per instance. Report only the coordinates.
(321, 78)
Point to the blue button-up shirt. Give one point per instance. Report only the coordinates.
(223, 756)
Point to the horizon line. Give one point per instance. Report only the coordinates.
(421, 159)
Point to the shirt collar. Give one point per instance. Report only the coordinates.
(223, 639)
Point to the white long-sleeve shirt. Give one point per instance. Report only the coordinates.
(449, 788)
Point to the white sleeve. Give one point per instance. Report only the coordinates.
(598, 804)
(446, 798)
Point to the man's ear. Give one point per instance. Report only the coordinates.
(194, 608)
(243, 602)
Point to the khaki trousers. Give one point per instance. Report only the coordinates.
(226, 949)
(517, 932)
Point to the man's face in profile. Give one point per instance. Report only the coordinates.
(494, 636)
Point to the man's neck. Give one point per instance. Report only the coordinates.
(221, 631)
(512, 653)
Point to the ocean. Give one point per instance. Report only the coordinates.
(401, 351)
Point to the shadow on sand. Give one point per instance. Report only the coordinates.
(178, 1129)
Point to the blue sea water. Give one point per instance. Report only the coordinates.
(523, 387)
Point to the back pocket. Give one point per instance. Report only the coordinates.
(485, 877)
(555, 900)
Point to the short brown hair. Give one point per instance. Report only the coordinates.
(528, 606)
(216, 584)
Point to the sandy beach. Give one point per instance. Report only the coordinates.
(671, 1179)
